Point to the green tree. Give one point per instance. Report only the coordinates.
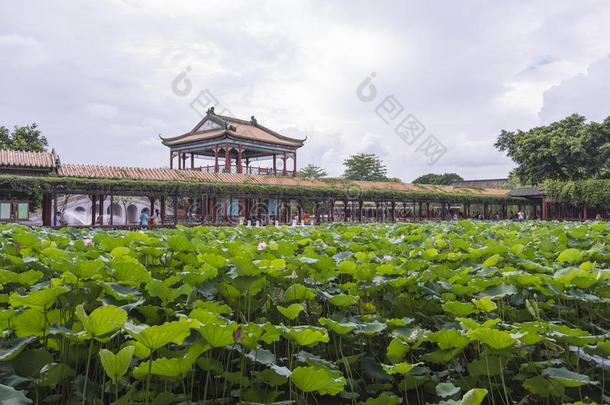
(570, 149)
(27, 138)
(439, 179)
(365, 167)
(311, 172)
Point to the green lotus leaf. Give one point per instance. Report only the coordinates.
(441, 356)
(140, 351)
(270, 377)
(498, 291)
(102, 320)
(474, 397)
(337, 327)
(382, 399)
(566, 377)
(155, 337)
(321, 380)
(485, 304)
(445, 390)
(570, 256)
(292, 311)
(180, 243)
(33, 322)
(52, 373)
(493, 337)
(29, 363)
(298, 292)
(38, 299)
(172, 367)
(491, 261)
(10, 396)
(130, 272)
(397, 349)
(271, 333)
(400, 368)
(540, 386)
(343, 300)
(116, 365)
(120, 251)
(459, 308)
(308, 335)
(218, 335)
(164, 290)
(486, 366)
(28, 278)
(448, 339)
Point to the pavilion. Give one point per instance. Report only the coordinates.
(237, 142)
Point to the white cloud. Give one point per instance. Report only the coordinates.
(466, 70)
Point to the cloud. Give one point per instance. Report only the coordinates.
(101, 74)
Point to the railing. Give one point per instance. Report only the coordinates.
(257, 171)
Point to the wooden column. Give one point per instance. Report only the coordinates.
(47, 207)
(360, 203)
(427, 210)
(285, 170)
(162, 203)
(316, 212)
(294, 170)
(216, 168)
(111, 209)
(175, 204)
(274, 165)
(152, 205)
(171, 159)
(393, 212)
(227, 159)
(101, 210)
(93, 208)
(239, 170)
(584, 211)
(192, 160)
(300, 211)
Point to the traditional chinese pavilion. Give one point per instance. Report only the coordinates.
(231, 145)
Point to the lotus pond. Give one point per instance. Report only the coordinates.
(433, 313)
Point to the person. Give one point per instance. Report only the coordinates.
(144, 217)
(598, 217)
(157, 217)
(520, 215)
(306, 218)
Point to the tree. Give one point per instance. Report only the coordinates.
(440, 179)
(365, 167)
(25, 138)
(570, 149)
(311, 172)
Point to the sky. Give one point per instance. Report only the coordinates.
(427, 86)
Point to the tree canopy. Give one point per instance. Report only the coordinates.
(364, 167)
(26, 138)
(570, 149)
(311, 172)
(440, 179)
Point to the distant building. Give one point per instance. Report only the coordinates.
(484, 183)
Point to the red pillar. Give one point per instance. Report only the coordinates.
(584, 208)
(152, 206)
(360, 210)
(171, 159)
(47, 207)
(316, 212)
(227, 158)
(294, 170)
(216, 159)
(274, 166)
(162, 202)
(284, 171)
(93, 209)
(239, 160)
(101, 209)
(192, 160)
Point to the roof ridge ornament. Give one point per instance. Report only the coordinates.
(253, 120)
(211, 111)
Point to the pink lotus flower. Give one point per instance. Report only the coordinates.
(387, 257)
(16, 245)
(294, 274)
(238, 335)
(262, 246)
(429, 275)
(87, 242)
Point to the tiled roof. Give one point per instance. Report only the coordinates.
(19, 159)
(527, 192)
(107, 172)
(479, 183)
(237, 128)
